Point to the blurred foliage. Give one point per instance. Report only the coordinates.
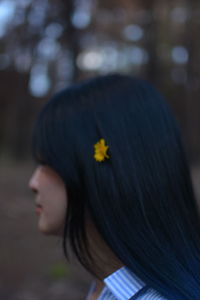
(47, 44)
(59, 271)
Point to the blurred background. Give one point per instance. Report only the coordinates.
(45, 45)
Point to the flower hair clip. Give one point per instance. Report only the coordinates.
(100, 150)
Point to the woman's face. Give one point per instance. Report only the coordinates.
(51, 200)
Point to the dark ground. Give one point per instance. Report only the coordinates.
(32, 266)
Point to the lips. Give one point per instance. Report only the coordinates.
(38, 205)
(38, 208)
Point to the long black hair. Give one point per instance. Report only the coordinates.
(141, 199)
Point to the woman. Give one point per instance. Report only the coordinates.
(113, 180)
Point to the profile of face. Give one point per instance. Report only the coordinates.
(51, 200)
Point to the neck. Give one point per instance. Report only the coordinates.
(106, 261)
(99, 285)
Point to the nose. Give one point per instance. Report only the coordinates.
(33, 182)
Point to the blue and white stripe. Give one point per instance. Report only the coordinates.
(123, 284)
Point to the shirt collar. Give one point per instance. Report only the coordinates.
(123, 283)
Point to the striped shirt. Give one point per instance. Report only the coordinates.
(123, 284)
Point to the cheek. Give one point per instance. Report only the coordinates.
(52, 218)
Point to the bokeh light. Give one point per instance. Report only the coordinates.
(180, 55)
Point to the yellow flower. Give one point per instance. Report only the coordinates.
(100, 150)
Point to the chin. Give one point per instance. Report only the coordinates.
(50, 230)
